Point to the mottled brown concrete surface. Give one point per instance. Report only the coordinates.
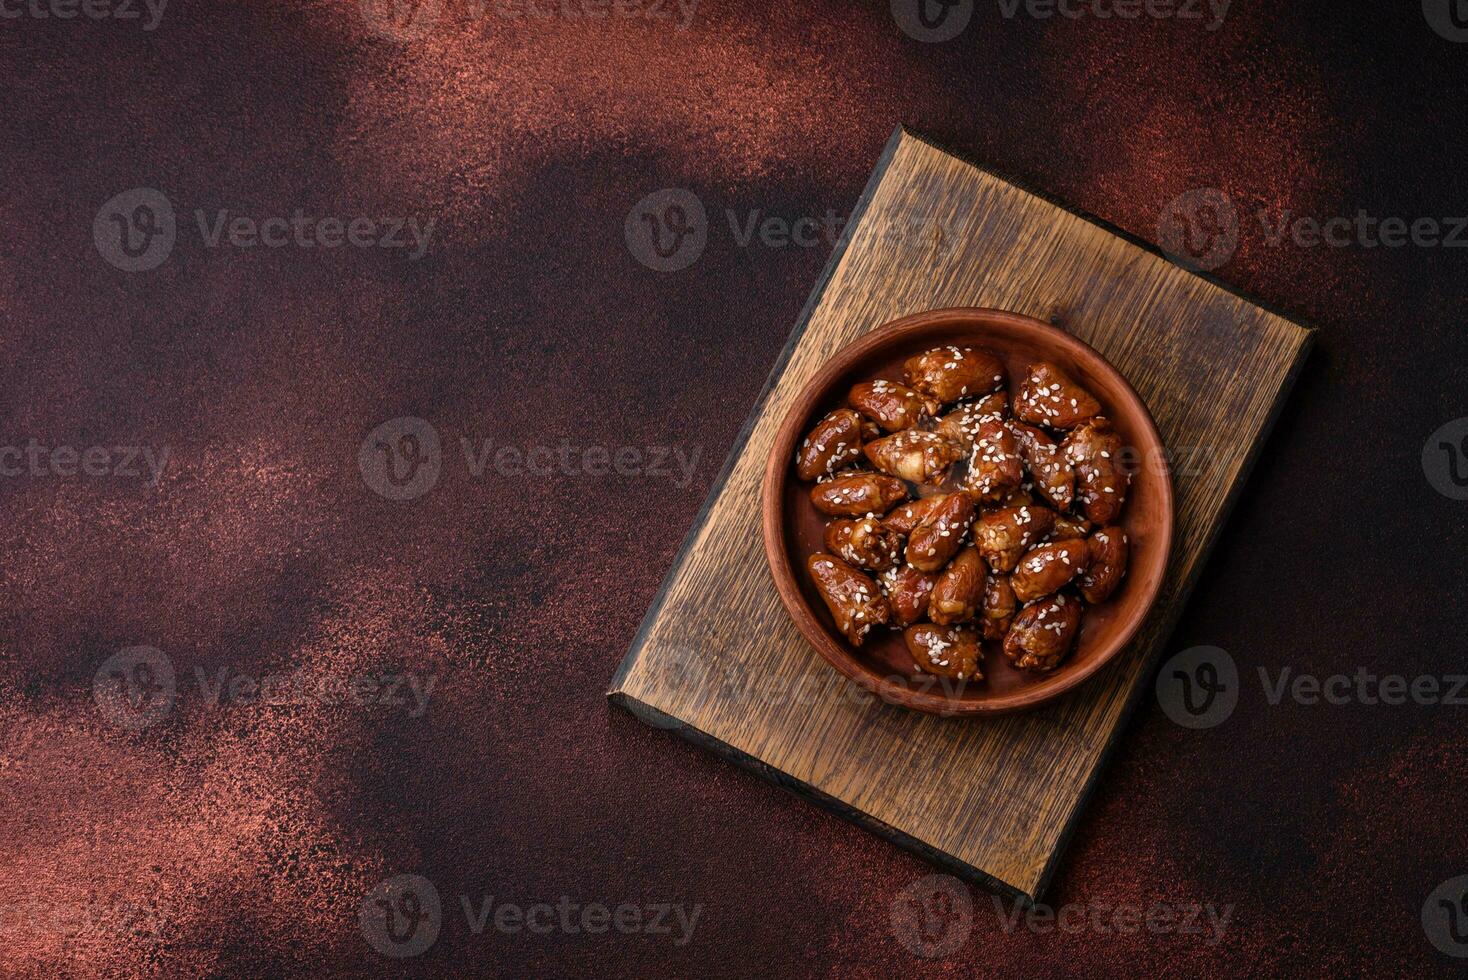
(145, 835)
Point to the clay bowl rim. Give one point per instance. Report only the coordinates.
(779, 468)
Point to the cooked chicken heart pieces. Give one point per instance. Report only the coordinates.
(1107, 557)
(891, 405)
(961, 426)
(858, 494)
(947, 651)
(1054, 476)
(1018, 534)
(1048, 568)
(1067, 526)
(908, 591)
(833, 443)
(951, 373)
(855, 601)
(1095, 450)
(939, 536)
(908, 516)
(1043, 633)
(1048, 397)
(1005, 534)
(960, 589)
(999, 606)
(994, 467)
(915, 455)
(864, 543)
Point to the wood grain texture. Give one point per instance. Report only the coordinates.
(718, 659)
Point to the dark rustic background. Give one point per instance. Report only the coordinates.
(240, 839)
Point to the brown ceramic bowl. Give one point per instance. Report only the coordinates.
(793, 529)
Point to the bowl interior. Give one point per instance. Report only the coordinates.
(882, 662)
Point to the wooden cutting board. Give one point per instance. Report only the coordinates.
(718, 660)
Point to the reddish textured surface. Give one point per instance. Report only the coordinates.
(252, 833)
